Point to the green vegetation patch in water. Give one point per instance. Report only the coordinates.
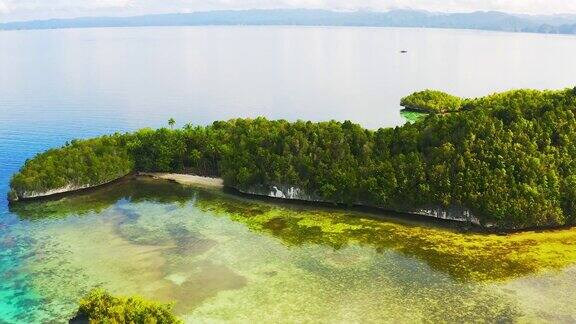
(101, 307)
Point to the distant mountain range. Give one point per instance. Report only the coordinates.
(490, 20)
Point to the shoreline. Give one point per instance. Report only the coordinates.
(218, 184)
(62, 192)
(181, 178)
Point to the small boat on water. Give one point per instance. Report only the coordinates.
(403, 51)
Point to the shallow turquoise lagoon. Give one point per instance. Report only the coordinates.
(222, 257)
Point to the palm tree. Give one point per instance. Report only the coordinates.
(171, 122)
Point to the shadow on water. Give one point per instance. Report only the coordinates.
(463, 256)
(98, 200)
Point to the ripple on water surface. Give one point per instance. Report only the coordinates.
(220, 257)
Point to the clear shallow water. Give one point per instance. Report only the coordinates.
(211, 255)
(222, 257)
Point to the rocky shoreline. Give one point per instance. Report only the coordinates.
(453, 213)
(285, 192)
(68, 189)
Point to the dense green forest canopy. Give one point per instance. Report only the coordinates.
(432, 101)
(508, 157)
(77, 164)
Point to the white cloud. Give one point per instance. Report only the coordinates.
(3, 8)
(38, 9)
(47, 7)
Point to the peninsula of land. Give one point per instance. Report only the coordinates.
(504, 161)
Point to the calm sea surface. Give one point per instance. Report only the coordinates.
(220, 257)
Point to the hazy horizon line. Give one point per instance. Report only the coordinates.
(361, 10)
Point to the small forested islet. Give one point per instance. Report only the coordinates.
(99, 306)
(432, 101)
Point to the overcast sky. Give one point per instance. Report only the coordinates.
(12, 10)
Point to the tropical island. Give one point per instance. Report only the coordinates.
(503, 161)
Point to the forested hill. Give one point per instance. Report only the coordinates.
(510, 158)
(496, 21)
